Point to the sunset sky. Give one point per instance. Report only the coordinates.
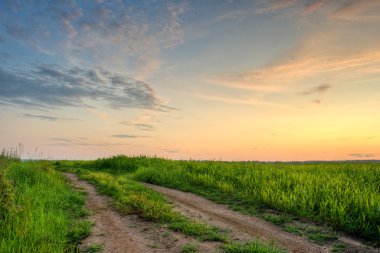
(224, 80)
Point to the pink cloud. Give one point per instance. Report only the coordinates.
(272, 6)
(314, 6)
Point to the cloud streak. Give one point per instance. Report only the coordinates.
(106, 32)
(314, 6)
(362, 155)
(64, 142)
(53, 86)
(358, 10)
(319, 90)
(127, 136)
(347, 10)
(275, 5)
(139, 126)
(301, 66)
(241, 101)
(45, 117)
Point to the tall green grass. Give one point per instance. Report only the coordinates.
(39, 210)
(343, 195)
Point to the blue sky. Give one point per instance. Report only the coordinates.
(231, 80)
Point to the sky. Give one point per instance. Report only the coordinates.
(267, 80)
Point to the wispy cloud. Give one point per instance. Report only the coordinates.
(362, 155)
(231, 15)
(45, 117)
(54, 86)
(314, 6)
(127, 136)
(324, 52)
(235, 100)
(67, 13)
(319, 90)
(169, 150)
(358, 10)
(136, 35)
(140, 126)
(108, 32)
(274, 5)
(61, 139)
(65, 142)
(304, 64)
(348, 10)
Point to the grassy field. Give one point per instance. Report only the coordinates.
(131, 197)
(345, 196)
(39, 211)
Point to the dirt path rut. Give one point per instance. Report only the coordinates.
(242, 227)
(110, 229)
(128, 233)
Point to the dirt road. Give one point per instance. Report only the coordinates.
(244, 227)
(127, 233)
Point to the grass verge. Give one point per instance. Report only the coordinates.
(40, 212)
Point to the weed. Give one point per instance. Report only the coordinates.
(292, 229)
(252, 247)
(166, 234)
(153, 246)
(338, 247)
(320, 237)
(189, 248)
(94, 248)
(79, 231)
(277, 219)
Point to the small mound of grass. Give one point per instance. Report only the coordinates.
(252, 247)
(94, 248)
(277, 219)
(189, 248)
(321, 237)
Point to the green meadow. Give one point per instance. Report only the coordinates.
(131, 197)
(41, 212)
(345, 196)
